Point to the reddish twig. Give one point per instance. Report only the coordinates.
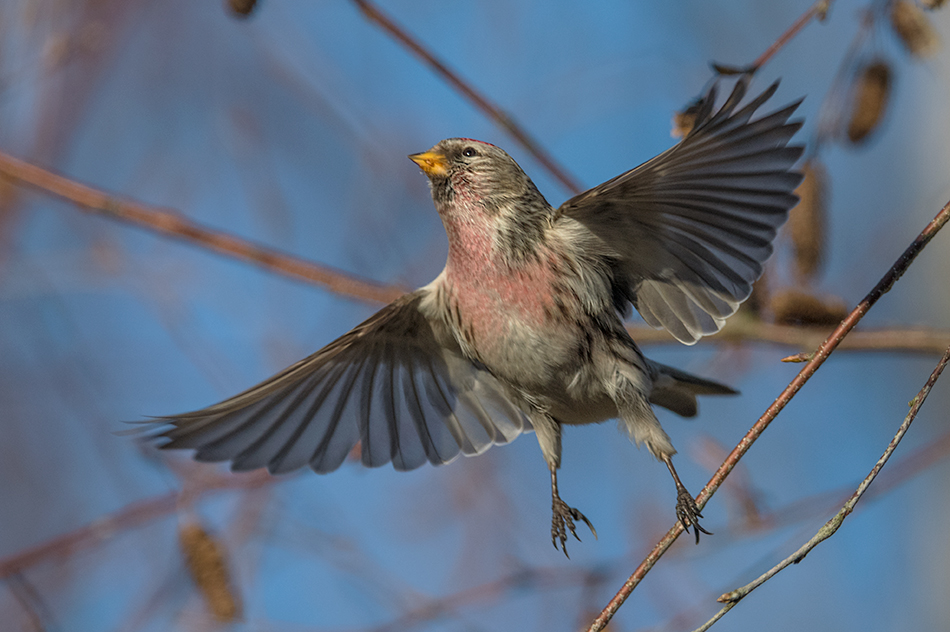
(739, 329)
(492, 111)
(170, 223)
(551, 578)
(797, 512)
(826, 348)
(132, 515)
(901, 471)
(818, 10)
(30, 600)
(829, 528)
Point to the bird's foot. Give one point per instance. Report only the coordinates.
(687, 511)
(562, 523)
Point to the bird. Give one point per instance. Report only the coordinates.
(523, 330)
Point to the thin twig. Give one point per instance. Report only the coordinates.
(910, 465)
(172, 224)
(904, 469)
(37, 613)
(130, 516)
(829, 528)
(826, 348)
(818, 10)
(904, 340)
(528, 578)
(492, 111)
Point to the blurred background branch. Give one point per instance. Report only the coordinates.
(289, 124)
(172, 223)
(732, 598)
(498, 116)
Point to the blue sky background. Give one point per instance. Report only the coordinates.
(291, 128)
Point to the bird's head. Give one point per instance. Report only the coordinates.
(463, 171)
(484, 197)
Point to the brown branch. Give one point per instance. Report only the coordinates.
(492, 111)
(908, 466)
(818, 10)
(36, 611)
(739, 329)
(901, 471)
(171, 223)
(826, 348)
(538, 578)
(831, 527)
(130, 516)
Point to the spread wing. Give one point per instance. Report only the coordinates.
(405, 394)
(692, 227)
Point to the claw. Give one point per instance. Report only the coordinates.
(562, 520)
(562, 523)
(688, 513)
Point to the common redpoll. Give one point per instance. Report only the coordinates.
(523, 329)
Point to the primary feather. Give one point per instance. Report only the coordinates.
(692, 227)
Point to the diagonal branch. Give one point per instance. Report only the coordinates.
(734, 597)
(826, 348)
(492, 111)
(519, 580)
(171, 223)
(130, 516)
(818, 10)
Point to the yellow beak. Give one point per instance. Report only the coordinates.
(431, 162)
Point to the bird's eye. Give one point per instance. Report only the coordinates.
(468, 152)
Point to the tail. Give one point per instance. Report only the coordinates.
(677, 390)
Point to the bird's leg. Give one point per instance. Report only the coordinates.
(563, 517)
(644, 428)
(548, 432)
(686, 508)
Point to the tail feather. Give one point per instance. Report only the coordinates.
(676, 390)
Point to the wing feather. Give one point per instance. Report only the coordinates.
(396, 385)
(690, 229)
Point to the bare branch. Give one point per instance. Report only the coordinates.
(739, 329)
(171, 223)
(538, 578)
(734, 597)
(818, 10)
(128, 517)
(825, 350)
(37, 613)
(492, 111)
